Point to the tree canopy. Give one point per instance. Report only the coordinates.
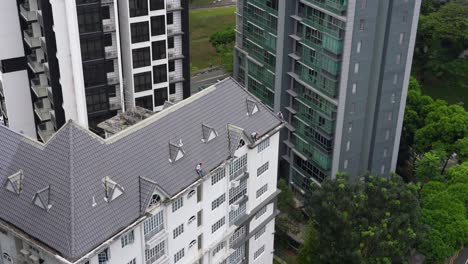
(372, 220)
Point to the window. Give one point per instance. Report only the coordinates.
(358, 48)
(191, 219)
(398, 59)
(138, 7)
(108, 40)
(356, 67)
(172, 66)
(199, 218)
(140, 32)
(362, 24)
(192, 243)
(105, 12)
(259, 252)
(238, 164)
(191, 193)
(345, 164)
(178, 231)
(96, 99)
(170, 18)
(156, 4)
(395, 79)
(127, 239)
(170, 42)
(145, 102)
(158, 25)
(350, 127)
(262, 168)
(89, 19)
(353, 108)
(262, 190)
(348, 145)
(382, 169)
(133, 261)
(219, 247)
(179, 255)
(261, 212)
(402, 38)
(155, 200)
(160, 96)
(263, 145)
(354, 88)
(218, 224)
(385, 152)
(363, 4)
(273, 4)
(172, 88)
(159, 50)
(142, 81)
(104, 256)
(218, 201)
(160, 73)
(154, 223)
(238, 192)
(390, 116)
(393, 98)
(177, 204)
(387, 135)
(260, 232)
(91, 48)
(153, 254)
(219, 175)
(141, 57)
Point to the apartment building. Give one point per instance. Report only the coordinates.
(75, 58)
(338, 71)
(182, 186)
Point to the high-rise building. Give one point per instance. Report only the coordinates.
(338, 70)
(182, 186)
(87, 60)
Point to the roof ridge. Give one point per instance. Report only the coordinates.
(72, 187)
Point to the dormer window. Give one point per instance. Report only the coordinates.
(241, 143)
(234, 137)
(112, 190)
(14, 183)
(176, 152)
(191, 193)
(42, 199)
(252, 107)
(208, 133)
(155, 200)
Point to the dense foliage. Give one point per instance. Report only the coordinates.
(372, 220)
(223, 41)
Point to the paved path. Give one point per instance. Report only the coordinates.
(208, 78)
(462, 257)
(215, 3)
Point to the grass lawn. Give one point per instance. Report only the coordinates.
(453, 95)
(203, 23)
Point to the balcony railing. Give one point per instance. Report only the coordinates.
(26, 12)
(156, 257)
(35, 65)
(108, 25)
(38, 89)
(154, 231)
(112, 78)
(30, 39)
(45, 131)
(238, 173)
(42, 109)
(46, 69)
(173, 7)
(111, 54)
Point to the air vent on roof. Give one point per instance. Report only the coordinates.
(208, 133)
(42, 199)
(252, 107)
(14, 183)
(176, 152)
(112, 190)
(234, 137)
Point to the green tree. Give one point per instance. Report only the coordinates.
(444, 209)
(309, 250)
(429, 165)
(223, 42)
(371, 220)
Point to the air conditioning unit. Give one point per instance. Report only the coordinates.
(168, 6)
(25, 253)
(234, 207)
(34, 259)
(235, 184)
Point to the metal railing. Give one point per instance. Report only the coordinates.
(155, 231)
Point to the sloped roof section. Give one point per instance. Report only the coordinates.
(14, 183)
(252, 107)
(234, 134)
(74, 162)
(208, 133)
(42, 199)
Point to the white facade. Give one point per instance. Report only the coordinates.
(186, 228)
(170, 87)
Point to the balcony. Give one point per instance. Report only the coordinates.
(172, 55)
(238, 173)
(26, 12)
(42, 109)
(112, 78)
(108, 25)
(43, 44)
(111, 53)
(114, 103)
(35, 65)
(171, 7)
(30, 39)
(171, 31)
(46, 69)
(176, 79)
(50, 95)
(38, 89)
(45, 131)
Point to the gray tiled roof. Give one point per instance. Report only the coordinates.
(74, 162)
